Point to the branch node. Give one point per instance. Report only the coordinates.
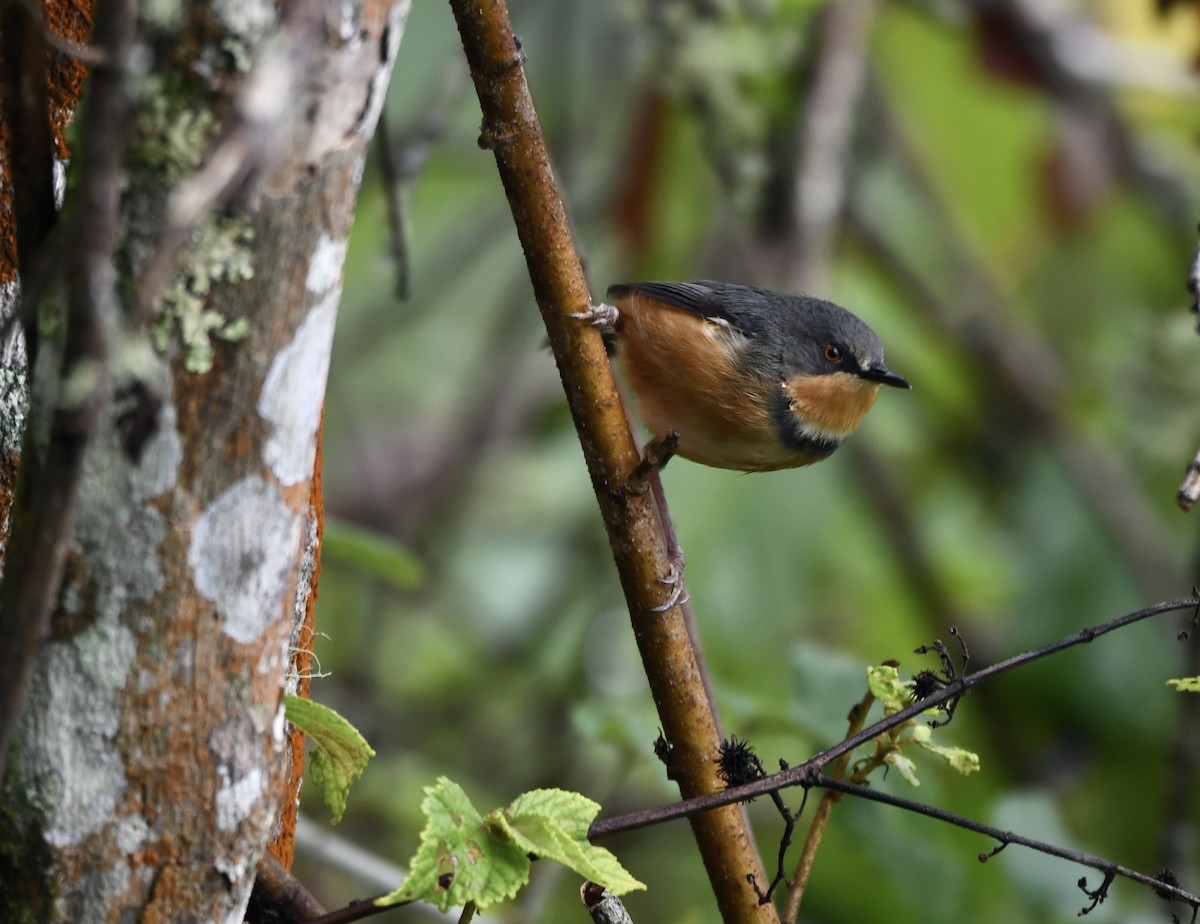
(984, 857)
(1185, 634)
(1099, 894)
(1168, 878)
(928, 682)
(492, 136)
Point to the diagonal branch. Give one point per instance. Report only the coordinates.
(511, 130)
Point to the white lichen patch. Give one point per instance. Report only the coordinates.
(242, 805)
(71, 767)
(304, 580)
(242, 555)
(240, 895)
(130, 833)
(66, 761)
(14, 391)
(294, 391)
(113, 502)
(325, 267)
(14, 407)
(237, 798)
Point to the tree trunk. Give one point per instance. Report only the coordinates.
(148, 766)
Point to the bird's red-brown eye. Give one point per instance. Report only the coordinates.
(831, 353)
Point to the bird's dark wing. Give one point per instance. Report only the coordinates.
(703, 298)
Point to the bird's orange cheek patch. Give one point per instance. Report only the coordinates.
(836, 403)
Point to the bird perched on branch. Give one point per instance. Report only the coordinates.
(742, 378)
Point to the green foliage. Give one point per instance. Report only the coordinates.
(1186, 684)
(885, 684)
(466, 857)
(340, 755)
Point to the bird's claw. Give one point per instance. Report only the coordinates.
(600, 315)
(678, 594)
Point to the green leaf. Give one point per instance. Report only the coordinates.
(379, 556)
(886, 686)
(904, 766)
(1186, 684)
(960, 759)
(553, 823)
(462, 858)
(341, 752)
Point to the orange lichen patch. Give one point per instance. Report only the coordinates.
(835, 404)
(70, 20)
(284, 845)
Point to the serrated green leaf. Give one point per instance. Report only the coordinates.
(1186, 684)
(539, 835)
(571, 811)
(340, 754)
(462, 858)
(379, 556)
(553, 823)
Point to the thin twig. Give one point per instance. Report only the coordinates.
(816, 829)
(402, 157)
(1107, 867)
(1178, 842)
(808, 773)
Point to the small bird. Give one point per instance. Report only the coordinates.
(741, 378)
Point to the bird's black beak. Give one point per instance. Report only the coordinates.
(884, 376)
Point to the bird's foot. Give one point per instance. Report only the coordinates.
(656, 454)
(599, 315)
(678, 594)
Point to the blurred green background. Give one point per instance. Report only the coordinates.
(1018, 222)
